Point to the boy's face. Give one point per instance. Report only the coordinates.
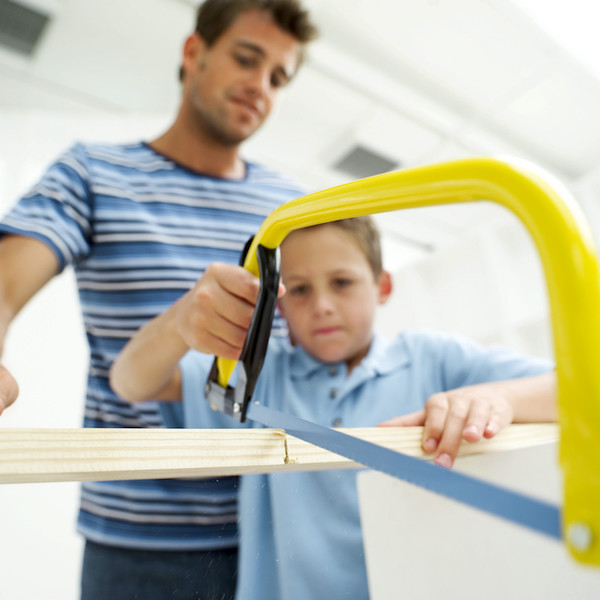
(230, 87)
(331, 294)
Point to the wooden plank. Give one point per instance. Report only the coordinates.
(39, 455)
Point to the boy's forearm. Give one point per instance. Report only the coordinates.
(148, 363)
(534, 398)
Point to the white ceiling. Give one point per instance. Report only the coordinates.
(417, 81)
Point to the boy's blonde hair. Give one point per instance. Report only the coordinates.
(365, 233)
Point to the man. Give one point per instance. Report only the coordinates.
(140, 223)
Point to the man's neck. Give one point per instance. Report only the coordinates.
(200, 153)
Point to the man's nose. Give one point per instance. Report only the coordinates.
(259, 83)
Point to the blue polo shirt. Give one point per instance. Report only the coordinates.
(300, 532)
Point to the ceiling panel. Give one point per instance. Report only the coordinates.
(395, 136)
(467, 46)
(122, 56)
(561, 116)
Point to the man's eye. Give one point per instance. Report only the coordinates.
(244, 61)
(278, 81)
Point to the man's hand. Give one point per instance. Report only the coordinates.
(9, 390)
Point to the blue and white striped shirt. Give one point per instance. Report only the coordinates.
(139, 230)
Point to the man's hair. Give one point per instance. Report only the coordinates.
(216, 16)
(365, 233)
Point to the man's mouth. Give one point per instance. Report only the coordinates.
(249, 106)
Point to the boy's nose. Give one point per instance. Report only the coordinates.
(322, 304)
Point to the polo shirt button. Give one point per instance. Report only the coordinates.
(333, 371)
(333, 393)
(337, 422)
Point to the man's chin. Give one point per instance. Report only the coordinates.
(237, 137)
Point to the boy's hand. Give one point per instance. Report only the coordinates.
(214, 316)
(468, 413)
(9, 390)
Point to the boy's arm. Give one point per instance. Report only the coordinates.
(213, 318)
(26, 265)
(482, 410)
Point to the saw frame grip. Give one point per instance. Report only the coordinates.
(234, 401)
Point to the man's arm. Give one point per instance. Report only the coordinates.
(26, 265)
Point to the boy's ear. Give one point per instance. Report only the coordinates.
(282, 313)
(385, 286)
(280, 308)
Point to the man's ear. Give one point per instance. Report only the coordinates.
(192, 47)
(385, 286)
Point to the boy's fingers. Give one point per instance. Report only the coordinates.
(225, 336)
(499, 419)
(237, 281)
(436, 412)
(452, 433)
(477, 420)
(411, 420)
(447, 448)
(233, 309)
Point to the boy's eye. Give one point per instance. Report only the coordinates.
(298, 290)
(342, 282)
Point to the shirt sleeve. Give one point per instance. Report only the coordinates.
(58, 209)
(461, 361)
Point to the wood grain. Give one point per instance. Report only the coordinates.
(39, 455)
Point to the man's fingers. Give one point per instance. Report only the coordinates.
(9, 390)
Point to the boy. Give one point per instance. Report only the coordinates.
(300, 532)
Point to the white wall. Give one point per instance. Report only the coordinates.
(489, 287)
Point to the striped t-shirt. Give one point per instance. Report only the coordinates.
(139, 230)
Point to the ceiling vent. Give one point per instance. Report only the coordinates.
(21, 26)
(361, 162)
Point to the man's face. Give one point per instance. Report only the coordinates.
(230, 87)
(331, 294)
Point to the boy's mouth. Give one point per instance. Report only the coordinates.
(326, 330)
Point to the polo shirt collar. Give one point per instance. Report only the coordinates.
(383, 358)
